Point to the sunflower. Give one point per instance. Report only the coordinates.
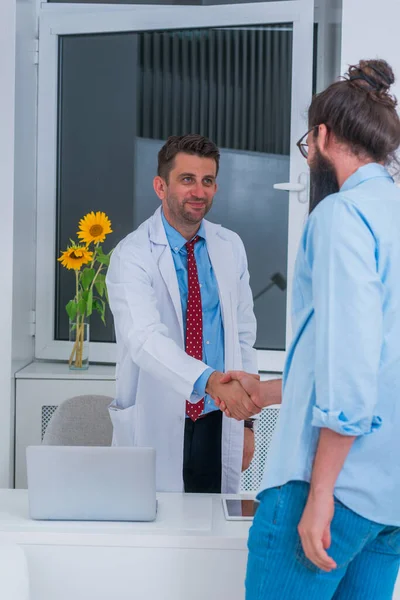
(75, 256)
(94, 227)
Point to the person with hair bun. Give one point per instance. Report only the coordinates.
(328, 522)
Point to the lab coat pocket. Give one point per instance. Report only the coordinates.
(124, 424)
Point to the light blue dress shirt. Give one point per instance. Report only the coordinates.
(343, 367)
(213, 330)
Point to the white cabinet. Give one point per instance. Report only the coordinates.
(40, 388)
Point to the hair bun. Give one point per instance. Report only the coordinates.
(375, 77)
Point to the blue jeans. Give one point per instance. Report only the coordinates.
(367, 553)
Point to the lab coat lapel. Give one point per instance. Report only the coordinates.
(166, 264)
(222, 260)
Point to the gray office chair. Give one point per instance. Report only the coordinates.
(80, 421)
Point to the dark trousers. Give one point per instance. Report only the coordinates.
(202, 454)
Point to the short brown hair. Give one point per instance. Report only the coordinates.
(191, 143)
(360, 111)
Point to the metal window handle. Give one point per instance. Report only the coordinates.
(290, 187)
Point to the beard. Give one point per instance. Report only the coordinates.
(323, 179)
(189, 217)
(183, 214)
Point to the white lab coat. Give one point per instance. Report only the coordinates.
(154, 374)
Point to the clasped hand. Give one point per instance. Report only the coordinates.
(236, 393)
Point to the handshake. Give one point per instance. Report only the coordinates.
(241, 395)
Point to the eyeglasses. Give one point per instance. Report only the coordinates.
(302, 143)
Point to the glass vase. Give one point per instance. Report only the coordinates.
(79, 343)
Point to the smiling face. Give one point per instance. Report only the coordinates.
(188, 195)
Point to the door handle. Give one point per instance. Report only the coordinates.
(290, 187)
(300, 187)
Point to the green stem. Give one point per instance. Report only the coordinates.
(94, 254)
(95, 276)
(77, 322)
(77, 286)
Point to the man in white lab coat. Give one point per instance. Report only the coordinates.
(183, 313)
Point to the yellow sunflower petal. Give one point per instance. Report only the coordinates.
(94, 227)
(75, 256)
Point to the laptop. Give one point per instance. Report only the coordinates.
(87, 483)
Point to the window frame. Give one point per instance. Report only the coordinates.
(64, 19)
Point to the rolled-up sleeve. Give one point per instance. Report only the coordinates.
(339, 422)
(347, 296)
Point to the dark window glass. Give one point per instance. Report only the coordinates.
(122, 95)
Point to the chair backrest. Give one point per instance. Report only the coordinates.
(14, 576)
(80, 421)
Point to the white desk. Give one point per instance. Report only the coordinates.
(189, 553)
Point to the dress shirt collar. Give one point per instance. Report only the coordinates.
(364, 173)
(175, 239)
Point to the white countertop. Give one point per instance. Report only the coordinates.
(61, 370)
(183, 521)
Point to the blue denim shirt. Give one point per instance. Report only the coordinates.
(213, 330)
(343, 367)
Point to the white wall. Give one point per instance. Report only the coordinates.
(328, 16)
(17, 212)
(24, 198)
(24, 184)
(370, 30)
(7, 99)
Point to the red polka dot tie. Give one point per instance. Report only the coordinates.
(194, 322)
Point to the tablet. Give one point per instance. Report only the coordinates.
(239, 509)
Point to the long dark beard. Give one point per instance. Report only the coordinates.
(323, 180)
